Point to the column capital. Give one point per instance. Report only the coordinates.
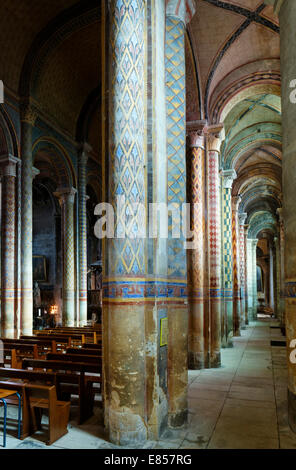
(35, 172)
(84, 151)
(235, 202)
(279, 211)
(195, 133)
(28, 113)
(276, 5)
(242, 217)
(8, 165)
(228, 177)
(215, 136)
(183, 10)
(65, 195)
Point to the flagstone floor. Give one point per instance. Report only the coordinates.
(242, 405)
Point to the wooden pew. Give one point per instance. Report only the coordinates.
(14, 353)
(76, 335)
(34, 398)
(84, 351)
(44, 345)
(59, 339)
(69, 375)
(45, 397)
(92, 346)
(93, 359)
(16, 379)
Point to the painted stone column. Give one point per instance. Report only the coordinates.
(8, 167)
(286, 10)
(254, 277)
(242, 256)
(214, 141)
(228, 176)
(196, 256)
(238, 320)
(277, 272)
(66, 198)
(271, 276)
(178, 14)
(246, 228)
(250, 278)
(28, 117)
(82, 223)
(124, 263)
(282, 267)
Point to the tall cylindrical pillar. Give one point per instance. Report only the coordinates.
(287, 16)
(124, 257)
(66, 198)
(242, 265)
(176, 18)
(214, 141)
(228, 176)
(8, 167)
(28, 118)
(246, 228)
(250, 278)
(238, 320)
(82, 224)
(196, 256)
(282, 268)
(254, 277)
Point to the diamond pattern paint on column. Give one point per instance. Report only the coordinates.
(82, 236)
(227, 243)
(8, 235)
(237, 320)
(7, 262)
(214, 225)
(196, 269)
(66, 198)
(127, 151)
(176, 128)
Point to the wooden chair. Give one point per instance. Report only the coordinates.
(42, 397)
(4, 394)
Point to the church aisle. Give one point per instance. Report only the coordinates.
(242, 405)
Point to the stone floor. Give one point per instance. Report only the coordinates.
(242, 405)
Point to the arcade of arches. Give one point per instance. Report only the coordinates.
(158, 101)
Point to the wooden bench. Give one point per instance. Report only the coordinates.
(44, 345)
(84, 351)
(59, 339)
(92, 346)
(93, 359)
(16, 379)
(72, 379)
(76, 335)
(45, 397)
(14, 353)
(36, 397)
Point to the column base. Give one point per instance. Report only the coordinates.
(195, 361)
(237, 333)
(9, 333)
(126, 428)
(26, 332)
(292, 410)
(216, 361)
(207, 361)
(178, 420)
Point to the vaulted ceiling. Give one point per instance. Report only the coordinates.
(233, 48)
